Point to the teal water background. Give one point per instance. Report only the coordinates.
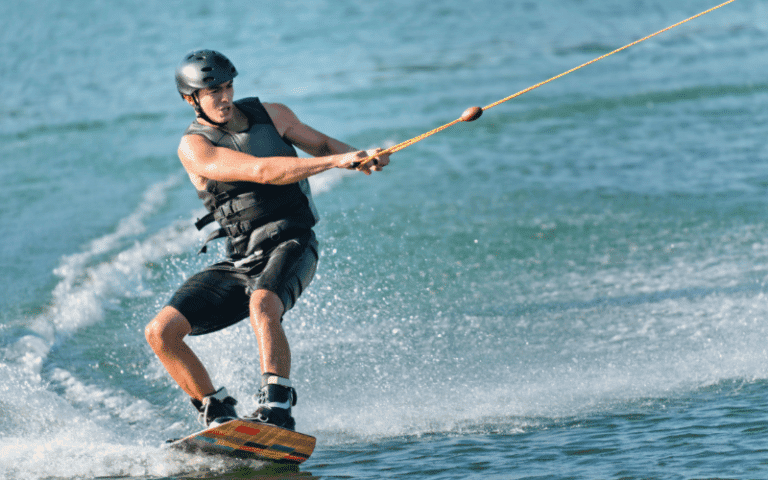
(574, 286)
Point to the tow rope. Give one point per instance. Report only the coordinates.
(473, 113)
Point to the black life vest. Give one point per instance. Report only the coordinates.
(251, 213)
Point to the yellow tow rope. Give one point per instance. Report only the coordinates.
(473, 113)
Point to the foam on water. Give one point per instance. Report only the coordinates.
(50, 414)
(94, 428)
(85, 288)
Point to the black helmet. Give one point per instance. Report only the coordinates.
(203, 69)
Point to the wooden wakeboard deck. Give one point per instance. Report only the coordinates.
(250, 440)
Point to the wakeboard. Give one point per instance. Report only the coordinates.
(242, 439)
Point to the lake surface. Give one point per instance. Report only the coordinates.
(571, 287)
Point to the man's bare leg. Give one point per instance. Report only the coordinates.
(266, 313)
(165, 335)
(276, 395)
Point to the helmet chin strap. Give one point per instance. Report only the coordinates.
(201, 113)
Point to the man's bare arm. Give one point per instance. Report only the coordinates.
(303, 136)
(201, 158)
(204, 160)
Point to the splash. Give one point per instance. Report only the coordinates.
(48, 413)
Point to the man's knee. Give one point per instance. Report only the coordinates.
(166, 329)
(266, 306)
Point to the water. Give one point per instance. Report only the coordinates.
(574, 286)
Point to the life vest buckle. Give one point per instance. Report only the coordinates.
(227, 210)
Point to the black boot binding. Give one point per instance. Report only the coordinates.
(216, 408)
(276, 397)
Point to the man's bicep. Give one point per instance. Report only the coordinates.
(297, 132)
(196, 153)
(309, 140)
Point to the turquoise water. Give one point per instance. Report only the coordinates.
(574, 286)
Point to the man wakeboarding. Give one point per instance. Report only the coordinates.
(241, 158)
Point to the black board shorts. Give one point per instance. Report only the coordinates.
(219, 296)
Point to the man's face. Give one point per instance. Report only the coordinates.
(216, 101)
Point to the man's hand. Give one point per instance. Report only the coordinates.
(366, 161)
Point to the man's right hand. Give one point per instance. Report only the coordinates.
(366, 161)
